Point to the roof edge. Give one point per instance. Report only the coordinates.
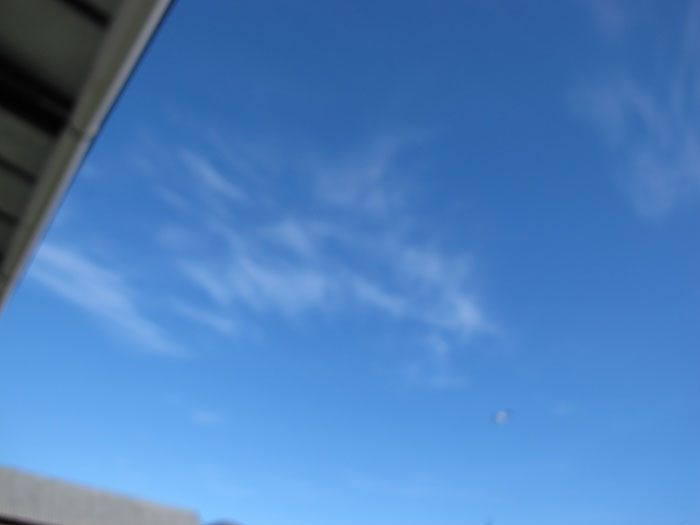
(125, 41)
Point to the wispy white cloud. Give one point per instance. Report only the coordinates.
(612, 18)
(207, 279)
(323, 257)
(652, 127)
(101, 292)
(294, 236)
(458, 312)
(374, 295)
(207, 417)
(562, 409)
(239, 270)
(210, 177)
(501, 417)
(361, 180)
(249, 157)
(176, 237)
(201, 415)
(418, 284)
(264, 284)
(436, 369)
(440, 288)
(214, 320)
(173, 199)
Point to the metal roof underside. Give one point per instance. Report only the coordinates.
(62, 64)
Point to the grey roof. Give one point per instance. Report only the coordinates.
(62, 64)
(44, 501)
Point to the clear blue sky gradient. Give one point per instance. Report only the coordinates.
(318, 244)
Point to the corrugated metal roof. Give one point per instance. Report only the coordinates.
(45, 501)
(62, 64)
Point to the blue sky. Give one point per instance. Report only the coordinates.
(318, 245)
